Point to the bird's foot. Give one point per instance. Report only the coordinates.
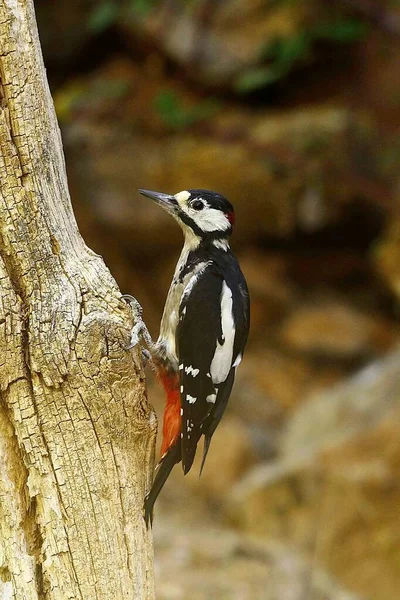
(139, 330)
(146, 356)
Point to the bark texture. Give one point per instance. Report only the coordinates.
(76, 432)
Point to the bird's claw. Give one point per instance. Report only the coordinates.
(146, 356)
(135, 336)
(137, 313)
(134, 304)
(139, 330)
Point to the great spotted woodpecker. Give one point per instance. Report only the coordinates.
(203, 330)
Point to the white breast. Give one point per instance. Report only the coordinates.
(167, 339)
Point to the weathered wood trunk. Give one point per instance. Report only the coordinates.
(76, 432)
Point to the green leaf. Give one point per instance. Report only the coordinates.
(343, 31)
(103, 16)
(168, 106)
(205, 109)
(110, 88)
(142, 7)
(257, 78)
(175, 115)
(283, 54)
(291, 49)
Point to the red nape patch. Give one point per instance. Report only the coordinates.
(231, 217)
(172, 411)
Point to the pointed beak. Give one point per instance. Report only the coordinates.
(166, 201)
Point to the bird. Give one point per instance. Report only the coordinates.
(203, 331)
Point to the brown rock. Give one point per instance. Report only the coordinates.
(387, 257)
(230, 456)
(330, 328)
(335, 492)
(353, 405)
(280, 379)
(272, 293)
(110, 164)
(201, 561)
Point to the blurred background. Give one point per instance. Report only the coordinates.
(292, 110)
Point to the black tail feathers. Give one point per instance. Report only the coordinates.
(207, 442)
(213, 420)
(165, 467)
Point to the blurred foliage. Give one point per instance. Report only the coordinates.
(104, 15)
(284, 54)
(81, 95)
(107, 12)
(175, 115)
(279, 58)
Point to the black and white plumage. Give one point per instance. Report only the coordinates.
(211, 335)
(203, 330)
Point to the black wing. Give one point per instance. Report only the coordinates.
(198, 331)
(241, 318)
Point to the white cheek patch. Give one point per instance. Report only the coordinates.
(182, 197)
(222, 359)
(211, 219)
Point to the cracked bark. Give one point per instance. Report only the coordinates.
(76, 432)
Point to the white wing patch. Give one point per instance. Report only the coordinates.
(211, 398)
(222, 359)
(190, 399)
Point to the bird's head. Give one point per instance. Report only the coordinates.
(202, 213)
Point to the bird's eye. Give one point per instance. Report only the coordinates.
(198, 204)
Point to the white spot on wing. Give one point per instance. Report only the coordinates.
(181, 367)
(211, 398)
(181, 389)
(189, 370)
(190, 399)
(222, 359)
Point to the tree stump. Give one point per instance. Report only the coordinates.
(76, 432)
